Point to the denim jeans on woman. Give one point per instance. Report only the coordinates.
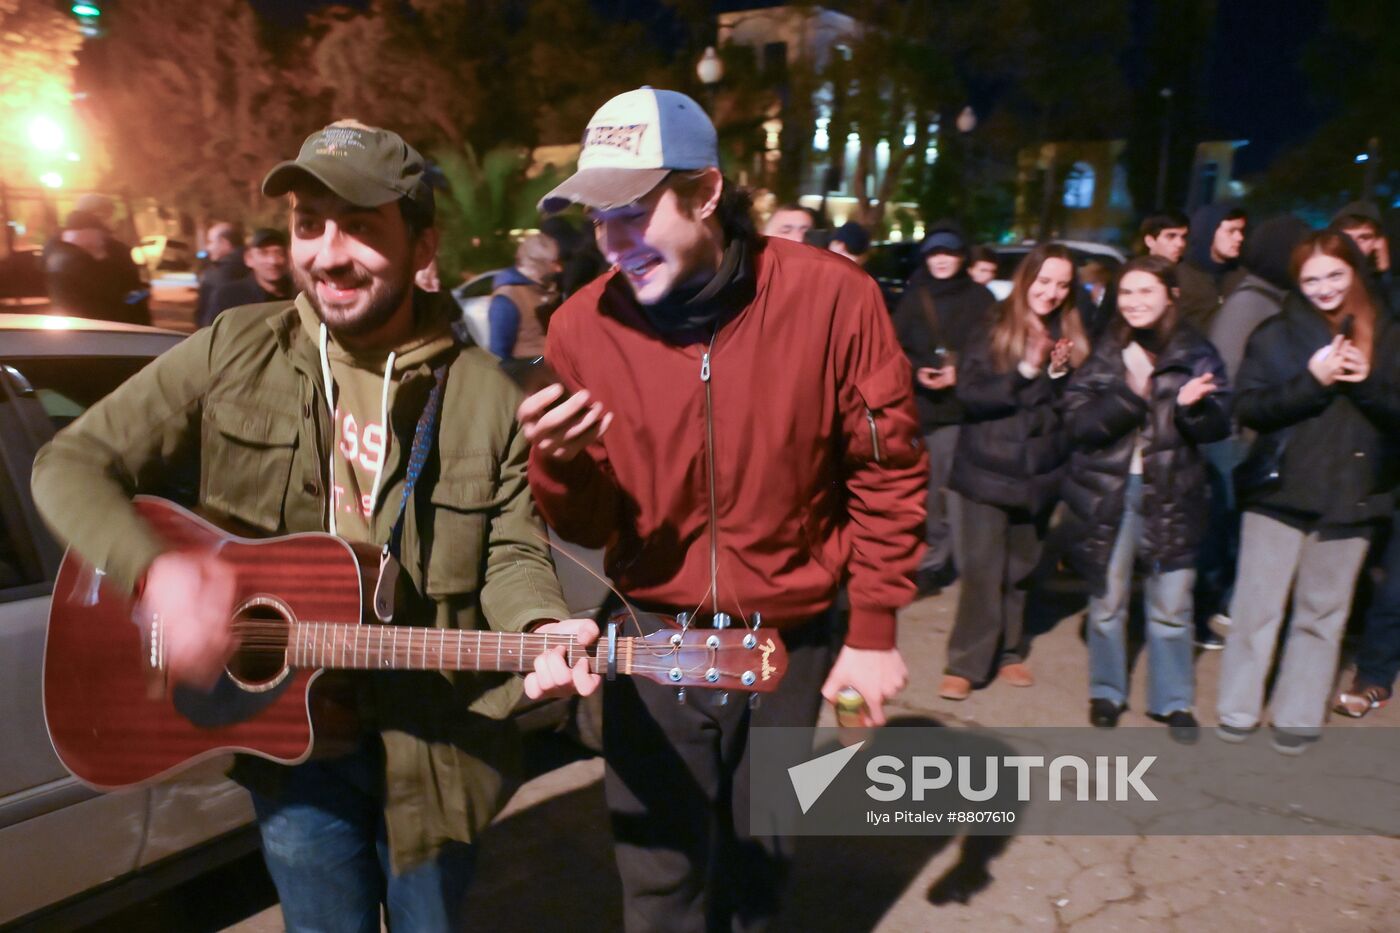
(1171, 683)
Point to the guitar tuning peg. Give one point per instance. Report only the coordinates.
(753, 700)
(722, 698)
(721, 620)
(680, 695)
(683, 620)
(757, 620)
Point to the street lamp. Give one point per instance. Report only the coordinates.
(710, 71)
(1369, 158)
(1162, 155)
(965, 122)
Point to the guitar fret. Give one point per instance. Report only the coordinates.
(459, 652)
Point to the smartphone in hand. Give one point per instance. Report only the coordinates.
(532, 375)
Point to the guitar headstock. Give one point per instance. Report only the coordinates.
(725, 659)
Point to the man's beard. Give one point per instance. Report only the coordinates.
(385, 298)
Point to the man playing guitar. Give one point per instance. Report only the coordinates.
(350, 410)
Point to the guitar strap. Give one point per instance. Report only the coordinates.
(423, 435)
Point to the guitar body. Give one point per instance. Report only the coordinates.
(112, 719)
(300, 608)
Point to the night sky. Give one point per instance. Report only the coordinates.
(1256, 87)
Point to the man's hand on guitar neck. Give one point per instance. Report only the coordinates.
(876, 675)
(189, 595)
(552, 676)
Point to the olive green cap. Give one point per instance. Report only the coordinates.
(365, 165)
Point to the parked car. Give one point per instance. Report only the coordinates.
(164, 254)
(1010, 256)
(22, 277)
(891, 263)
(474, 297)
(62, 840)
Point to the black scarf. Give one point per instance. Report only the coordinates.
(695, 311)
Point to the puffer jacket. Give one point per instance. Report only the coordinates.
(1012, 448)
(1104, 419)
(1340, 460)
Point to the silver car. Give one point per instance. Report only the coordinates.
(60, 839)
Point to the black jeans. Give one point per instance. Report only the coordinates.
(1378, 661)
(677, 786)
(1000, 549)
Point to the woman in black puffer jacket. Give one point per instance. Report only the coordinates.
(1320, 382)
(1008, 462)
(1137, 413)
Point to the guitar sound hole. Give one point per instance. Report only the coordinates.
(261, 627)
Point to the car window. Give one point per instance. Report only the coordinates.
(68, 386)
(19, 562)
(1007, 261)
(893, 261)
(477, 288)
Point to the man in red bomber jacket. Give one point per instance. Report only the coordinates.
(741, 439)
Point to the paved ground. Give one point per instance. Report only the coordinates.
(547, 865)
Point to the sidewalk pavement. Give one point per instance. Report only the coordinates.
(546, 865)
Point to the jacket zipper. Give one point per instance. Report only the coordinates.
(874, 434)
(710, 456)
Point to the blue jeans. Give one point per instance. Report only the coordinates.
(1171, 683)
(326, 848)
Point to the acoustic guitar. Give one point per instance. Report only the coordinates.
(305, 605)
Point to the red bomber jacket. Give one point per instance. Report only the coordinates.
(757, 472)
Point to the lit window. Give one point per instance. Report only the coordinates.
(1079, 187)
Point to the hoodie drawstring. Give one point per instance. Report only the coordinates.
(330, 407)
(384, 420)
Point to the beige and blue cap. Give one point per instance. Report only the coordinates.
(633, 142)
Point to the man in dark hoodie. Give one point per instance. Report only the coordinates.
(1259, 296)
(1361, 220)
(940, 309)
(1210, 271)
(226, 265)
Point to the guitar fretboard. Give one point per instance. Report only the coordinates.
(402, 647)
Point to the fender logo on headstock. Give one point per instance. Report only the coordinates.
(768, 648)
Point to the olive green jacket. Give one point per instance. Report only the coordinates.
(241, 406)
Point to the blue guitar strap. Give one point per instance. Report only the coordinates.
(423, 436)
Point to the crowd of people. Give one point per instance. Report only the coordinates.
(748, 431)
(1222, 419)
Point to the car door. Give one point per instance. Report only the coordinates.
(72, 838)
(68, 838)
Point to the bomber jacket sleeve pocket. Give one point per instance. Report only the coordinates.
(886, 427)
(247, 461)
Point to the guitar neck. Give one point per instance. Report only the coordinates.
(404, 647)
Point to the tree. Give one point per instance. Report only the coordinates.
(38, 46)
(193, 108)
(485, 199)
(1173, 58)
(395, 66)
(1322, 172)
